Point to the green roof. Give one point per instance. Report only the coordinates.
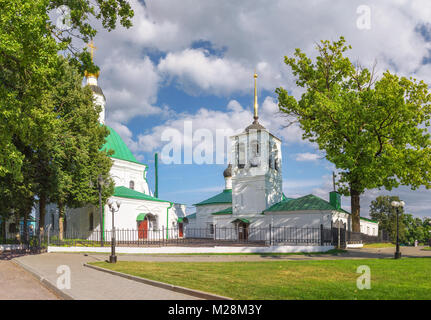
(225, 211)
(115, 143)
(309, 202)
(124, 192)
(191, 216)
(223, 197)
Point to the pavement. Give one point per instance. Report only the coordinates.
(92, 284)
(18, 284)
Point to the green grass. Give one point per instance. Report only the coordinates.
(408, 278)
(427, 249)
(379, 245)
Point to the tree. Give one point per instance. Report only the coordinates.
(29, 64)
(374, 131)
(382, 211)
(29, 46)
(75, 154)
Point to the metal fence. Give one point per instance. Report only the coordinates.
(193, 237)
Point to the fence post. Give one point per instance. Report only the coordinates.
(215, 232)
(270, 234)
(321, 235)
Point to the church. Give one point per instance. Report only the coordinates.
(140, 210)
(253, 196)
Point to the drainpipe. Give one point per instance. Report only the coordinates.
(156, 161)
(167, 220)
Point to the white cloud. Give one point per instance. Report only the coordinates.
(307, 156)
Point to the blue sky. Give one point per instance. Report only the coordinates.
(194, 61)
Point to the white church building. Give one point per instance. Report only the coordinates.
(140, 210)
(253, 198)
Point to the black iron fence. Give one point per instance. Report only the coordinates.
(193, 237)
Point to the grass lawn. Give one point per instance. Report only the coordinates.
(379, 245)
(278, 280)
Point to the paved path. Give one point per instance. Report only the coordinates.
(90, 284)
(18, 284)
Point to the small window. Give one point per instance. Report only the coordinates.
(211, 228)
(132, 185)
(91, 221)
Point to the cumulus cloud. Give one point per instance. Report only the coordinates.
(307, 156)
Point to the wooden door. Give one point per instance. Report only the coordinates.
(243, 231)
(180, 230)
(143, 229)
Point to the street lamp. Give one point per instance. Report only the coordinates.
(114, 207)
(397, 205)
(100, 183)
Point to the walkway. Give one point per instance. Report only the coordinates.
(17, 284)
(89, 284)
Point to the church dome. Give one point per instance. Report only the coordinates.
(115, 143)
(228, 171)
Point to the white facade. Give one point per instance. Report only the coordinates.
(256, 172)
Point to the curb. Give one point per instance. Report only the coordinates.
(44, 281)
(191, 292)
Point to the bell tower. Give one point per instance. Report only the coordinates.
(256, 167)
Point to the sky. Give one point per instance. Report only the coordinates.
(192, 61)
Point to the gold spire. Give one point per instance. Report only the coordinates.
(256, 107)
(92, 48)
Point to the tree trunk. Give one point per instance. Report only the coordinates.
(356, 210)
(42, 212)
(60, 221)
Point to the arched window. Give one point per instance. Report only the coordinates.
(132, 185)
(240, 150)
(255, 148)
(91, 221)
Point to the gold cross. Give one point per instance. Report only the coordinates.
(92, 48)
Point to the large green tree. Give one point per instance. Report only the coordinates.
(75, 153)
(29, 46)
(373, 130)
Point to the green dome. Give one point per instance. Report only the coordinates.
(115, 143)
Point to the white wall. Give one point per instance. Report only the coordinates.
(124, 171)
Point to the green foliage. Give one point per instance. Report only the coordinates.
(374, 131)
(49, 133)
(410, 228)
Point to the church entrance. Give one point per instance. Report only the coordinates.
(145, 221)
(181, 230)
(242, 228)
(143, 229)
(243, 231)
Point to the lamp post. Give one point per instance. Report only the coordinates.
(100, 183)
(114, 207)
(397, 205)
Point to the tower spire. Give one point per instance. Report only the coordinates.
(89, 75)
(256, 106)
